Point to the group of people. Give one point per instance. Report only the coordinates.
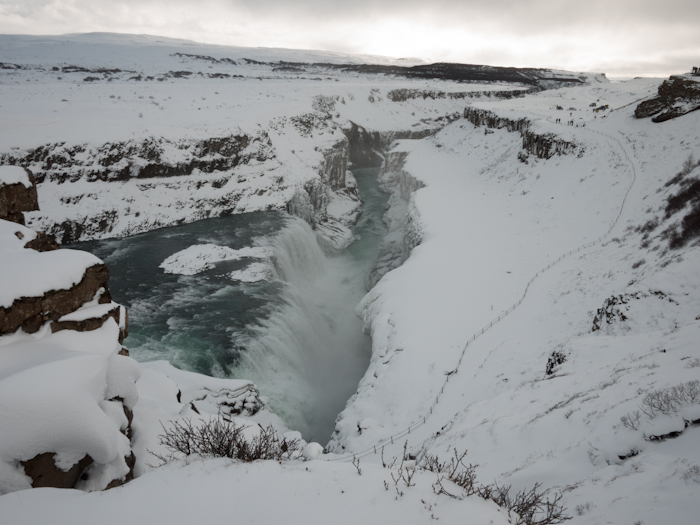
(570, 123)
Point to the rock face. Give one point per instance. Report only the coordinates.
(366, 146)
(60, 374)
(401, 95)
(677, 96)
(542, 145)
(145, 159)
(16, 198)
(401, 217)
(43, 471)
(194, 178)
(30, 313)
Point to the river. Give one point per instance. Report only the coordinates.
(296, 334)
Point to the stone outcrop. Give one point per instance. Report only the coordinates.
(43, 471)
(541, 145)
(91, 306)
(17, 198)
(401, 217)
(30, 313)
(42, 243)
(145, 159)
(679, 95)
(401, 95)
(366, 147)
(89, 324)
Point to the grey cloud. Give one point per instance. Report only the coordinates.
(603, 35)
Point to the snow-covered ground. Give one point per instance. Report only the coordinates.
(490, 222)
(558, 390)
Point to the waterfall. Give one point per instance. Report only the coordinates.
(297, 336)
(308, 356)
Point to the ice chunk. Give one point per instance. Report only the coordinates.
(201, 257)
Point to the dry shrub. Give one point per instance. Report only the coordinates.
(533, 506)
(220, 438)
(670, 400)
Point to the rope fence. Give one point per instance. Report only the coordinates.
(422, 420)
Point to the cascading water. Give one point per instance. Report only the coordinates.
(297, 336)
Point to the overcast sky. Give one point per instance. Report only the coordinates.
(617, 37)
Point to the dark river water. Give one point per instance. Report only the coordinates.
(296, 334)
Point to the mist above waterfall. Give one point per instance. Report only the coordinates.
(309, 355)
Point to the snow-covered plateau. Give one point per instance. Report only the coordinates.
(535, 300)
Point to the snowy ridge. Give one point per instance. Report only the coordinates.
(100, 49)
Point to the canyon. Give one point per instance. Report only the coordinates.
(524, 297)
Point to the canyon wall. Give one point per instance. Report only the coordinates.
(541, 145)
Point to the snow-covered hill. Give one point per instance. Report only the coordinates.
(565, 386)
(537, 299)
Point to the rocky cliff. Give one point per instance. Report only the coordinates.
(123, 188)
(679, 95)
(68, 390)
(542, 145)
(402, 217)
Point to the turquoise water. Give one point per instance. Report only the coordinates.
(298, 338)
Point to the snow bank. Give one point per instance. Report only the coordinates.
(309, 492)
(14, 175)
(168, 394)
(55, 392)
(30, 273)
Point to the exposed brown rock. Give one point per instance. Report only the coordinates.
(131, 462)
(31, 312)
(17, 198)
(44, 473)
(86, 325)
(42, 243)
(677, 96)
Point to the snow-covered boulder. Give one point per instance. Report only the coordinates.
(67, 389)
(17, 193)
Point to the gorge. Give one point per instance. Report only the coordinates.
(225, 203)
